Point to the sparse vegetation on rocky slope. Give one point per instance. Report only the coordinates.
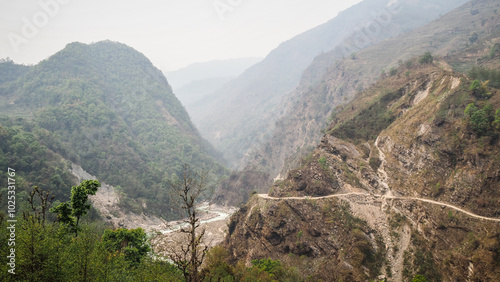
(400, 142)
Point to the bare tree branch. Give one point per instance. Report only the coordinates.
(192, 252)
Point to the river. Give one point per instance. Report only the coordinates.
(221, 213)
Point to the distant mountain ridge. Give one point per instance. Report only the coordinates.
(194, 83)
(208, 70)
(194, 94)
(330, 82)
(10, 71)
(238, 116)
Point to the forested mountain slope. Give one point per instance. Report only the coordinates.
(9, 71)
(22, 149)
(111, 111)
(238, 116)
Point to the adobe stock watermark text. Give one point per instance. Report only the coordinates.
(11, 221)
(31, 26)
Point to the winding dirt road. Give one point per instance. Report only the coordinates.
(447, 205)
(380, 220)
(266, 196)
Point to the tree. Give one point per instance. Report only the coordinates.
(426, 58)
(46, 199)
(393, 72)
(217, 267)
(192, 253)
(273, 267)
(80, 195)
(480, 89)
(70, 212)
(132, 243)
(34, 244)
(480, 120)
(474, 38)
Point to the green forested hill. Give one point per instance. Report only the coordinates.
(9, 71)
(113, 113)
(21, 149)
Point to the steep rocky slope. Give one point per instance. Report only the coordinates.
(401, 185)
(241, 114)
(461, 37)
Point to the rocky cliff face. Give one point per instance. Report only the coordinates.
(315, 235)
(242, 114)
(331, 82)
(400, 185)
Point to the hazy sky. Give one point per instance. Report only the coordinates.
(171, 33)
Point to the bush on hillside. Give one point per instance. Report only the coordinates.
(426, 59)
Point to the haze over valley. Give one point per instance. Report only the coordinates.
(250, 141)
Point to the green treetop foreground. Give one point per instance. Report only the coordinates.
(71, 212)
(73, 248)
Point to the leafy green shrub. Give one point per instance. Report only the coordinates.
(480, 89)
(132, 243)
(474, 38)
(217, 267)
(496, 123)
(419, 278)
(268, 265)
(276, 270)
(426, 59)
(481, 120)
(493, 51)
(323, 163)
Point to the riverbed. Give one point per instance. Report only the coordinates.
(213, 218)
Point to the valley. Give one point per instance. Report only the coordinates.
(345, 154)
